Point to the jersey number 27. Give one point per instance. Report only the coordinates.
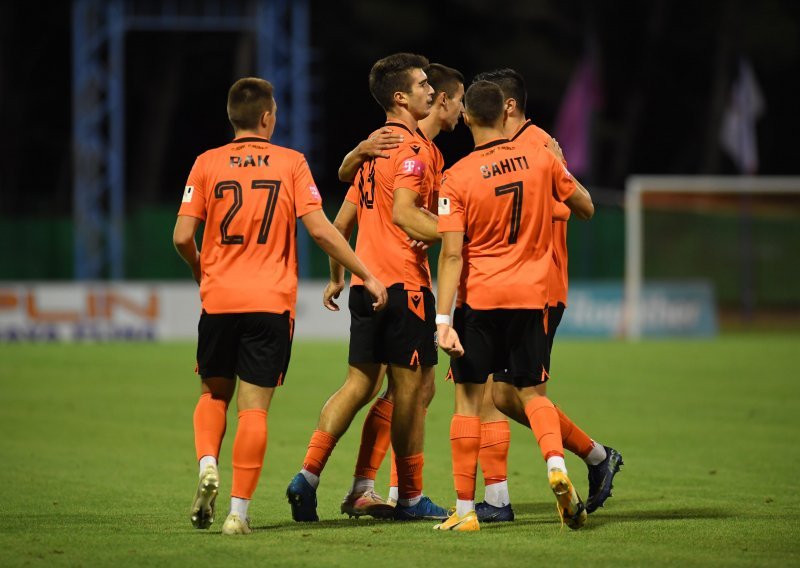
(271, 185)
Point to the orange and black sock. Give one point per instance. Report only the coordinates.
(544, 422)
(493, 455)
(249, 448)
(409, 473)
(375, 439)
(573, 438)
(209, 425)
(465, 444)
(319, 450)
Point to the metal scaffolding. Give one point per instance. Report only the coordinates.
(281, 29)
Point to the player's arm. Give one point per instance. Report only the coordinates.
(183, 239)
(450, 264)
(373, 147)
(345, 222)
(417, 224)
(333, 243)
(580, 202)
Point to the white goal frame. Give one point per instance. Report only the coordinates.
(637, 186)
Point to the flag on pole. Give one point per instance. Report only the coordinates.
(738, 133)
(573, 123)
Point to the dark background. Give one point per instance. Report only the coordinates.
(665, 70)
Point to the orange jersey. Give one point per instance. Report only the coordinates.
(529, 133)
(501, 196)
(433, 173)
(249, 193)
(382, 245)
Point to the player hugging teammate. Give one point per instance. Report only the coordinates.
(509, 289)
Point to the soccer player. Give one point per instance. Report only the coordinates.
(495, 216)
(448, 85)
(402, 337)
(603, 462)
(249, 192)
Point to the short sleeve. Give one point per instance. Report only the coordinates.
(563, 183)
(451, 207)
(410, 167)
(193, 203)
(306, 194)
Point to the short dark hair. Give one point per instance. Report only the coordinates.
(510, 81)
(484, 103)
(391, 74)
(248, 99)
(443, 79)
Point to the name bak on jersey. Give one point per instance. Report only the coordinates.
(248, 160)
(504, 166)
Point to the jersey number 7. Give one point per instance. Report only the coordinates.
(515, 189)
(271, 185)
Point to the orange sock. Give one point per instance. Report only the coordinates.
(209, 425)
(319, 450)
(393, 471)
(573, 438)
(375, 438)
(393, 459)
(249, 447)
(465, 444)
(409, 472)
(493, 455)
(543, 417)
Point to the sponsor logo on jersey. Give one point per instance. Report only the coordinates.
(187, 194)
(414, 167)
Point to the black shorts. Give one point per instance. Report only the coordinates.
(554, 315)
(404, 333)
(254, 346)
(508, 342)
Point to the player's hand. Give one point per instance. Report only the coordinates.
(449, 341)
(376, 145)
(197, 272)
(417, 245)
(429, 213)
(332, 291)
(555, 148)
(378, 292)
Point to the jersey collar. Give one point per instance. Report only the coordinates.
(522, 129)
(399, 125)
(490, 144)
(250, 139)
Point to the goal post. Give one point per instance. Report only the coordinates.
(640, 188)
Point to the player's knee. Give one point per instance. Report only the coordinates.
(503, 400)
(428, 392)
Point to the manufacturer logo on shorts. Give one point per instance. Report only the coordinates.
(436, 340)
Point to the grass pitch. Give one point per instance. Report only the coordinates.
(98, 463)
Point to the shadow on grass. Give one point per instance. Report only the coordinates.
(344, 523)
(603, 516)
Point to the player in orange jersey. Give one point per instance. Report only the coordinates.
(603, 462)
(390, 192)
(250, 193)
(501, 279)
(448, 84)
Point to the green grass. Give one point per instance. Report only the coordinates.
(98, 462)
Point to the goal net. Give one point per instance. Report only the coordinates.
(738, 236)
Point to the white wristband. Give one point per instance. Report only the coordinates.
(442, 319)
